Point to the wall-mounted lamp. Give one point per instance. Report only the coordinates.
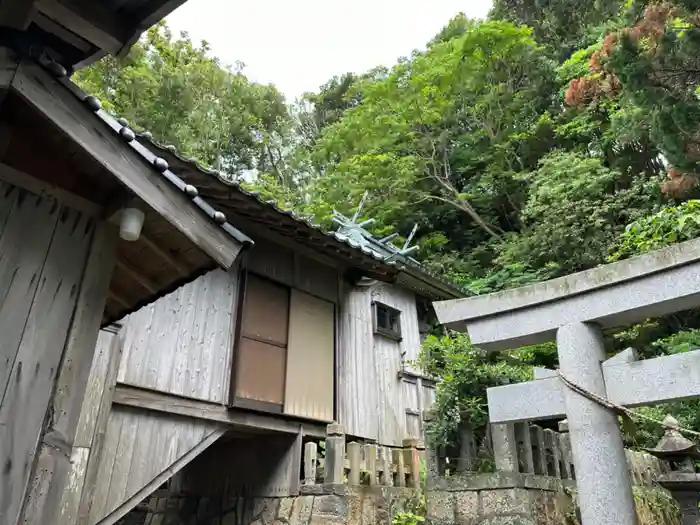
(130, 224)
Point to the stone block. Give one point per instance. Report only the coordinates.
(508, 520)
(439, 507)
(505, 501)
(284, 511)
(368, 510)
(334, 506)
(466, 507)
(269, 510)
(335, 429)
(301, 510)
(354, 516)
(382, 512)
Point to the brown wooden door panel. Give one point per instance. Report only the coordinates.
(266, 311)
(309, 388)
(261, 371)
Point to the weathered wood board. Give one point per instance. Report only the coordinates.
(43, 250)
(180, 343)
(373, 400)
(140, 446)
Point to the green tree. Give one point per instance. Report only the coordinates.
(436, 140)
(562, 25)
(175, 90)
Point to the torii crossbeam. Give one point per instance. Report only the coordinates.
(573, 310)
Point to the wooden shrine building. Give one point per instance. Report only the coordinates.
(150, 308)
(66, 169)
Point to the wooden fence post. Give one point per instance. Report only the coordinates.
(467, 449)
(334, 466)
(354, 463)
(413, 459)
(371, 463)
(400, 469)
(539, 451)
(505, 447)
(552, 443)
(524, 446)
(565, 444)
(432, 460)
(310, 455)
(385, 478)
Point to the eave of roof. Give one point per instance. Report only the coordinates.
(121, 127)
(160, 166)
(440, 287)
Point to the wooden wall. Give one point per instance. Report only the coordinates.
(142, 450)
(182, 343)
(374, 401)
(43, 251)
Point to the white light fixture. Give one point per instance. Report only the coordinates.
(130, 224)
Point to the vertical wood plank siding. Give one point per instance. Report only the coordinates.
(106, 352)
(139, 446)
(43, 249)
(310, 371)
(181, 343)
(372, 398)
(358, 393)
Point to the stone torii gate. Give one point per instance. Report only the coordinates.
(573, 310)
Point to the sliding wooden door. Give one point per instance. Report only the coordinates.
(261, 353)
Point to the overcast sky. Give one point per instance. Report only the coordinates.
(299, 44)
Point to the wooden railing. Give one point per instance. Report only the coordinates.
(531, 449)
(520, 448)
(361, 464)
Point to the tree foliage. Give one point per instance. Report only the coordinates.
(175, 90)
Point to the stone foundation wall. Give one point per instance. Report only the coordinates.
(318, 505)
(497, 499)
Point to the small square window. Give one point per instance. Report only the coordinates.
(387, 321)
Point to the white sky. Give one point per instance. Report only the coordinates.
(299, 44)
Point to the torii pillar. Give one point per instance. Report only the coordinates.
(573, 310)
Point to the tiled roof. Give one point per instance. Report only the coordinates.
(121, 128)
(139, 142)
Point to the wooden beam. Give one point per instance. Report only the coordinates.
(9, 62)
(118, 298)
(152, 18)
(39, 187)
(48, 25)
(171, 404)
(94, 431)
(77, 121)
(103, 37)
(17, 14)
(113, 517)
(160, 252)
(72, 380)
(132, 272)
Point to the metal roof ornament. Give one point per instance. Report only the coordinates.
(191, 191)
(56, 69)
(160, 164)
(93, 103)
(219, 217)
(355, 231)
(127, 134)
